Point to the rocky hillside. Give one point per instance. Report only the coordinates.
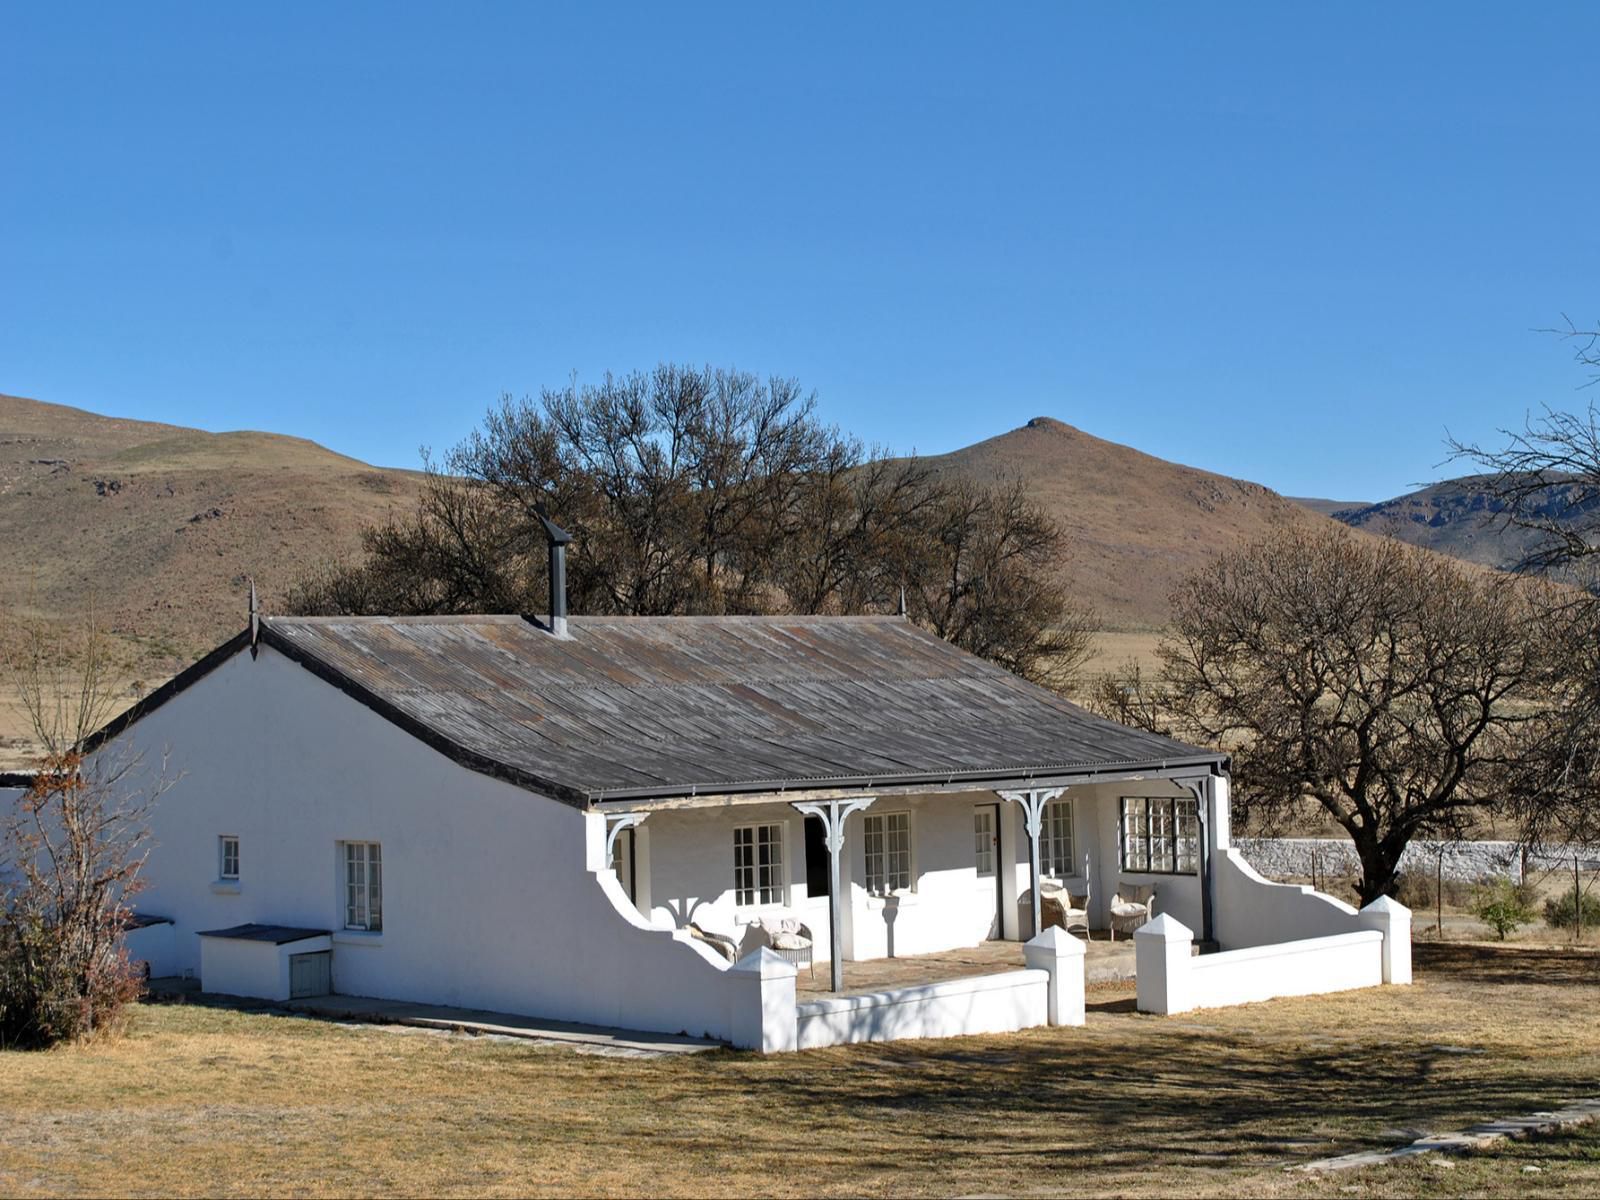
(1462, 518)
(155, 528)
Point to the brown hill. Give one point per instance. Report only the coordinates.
(1137, 523)
(155, 528)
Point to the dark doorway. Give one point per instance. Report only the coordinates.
(816, 859)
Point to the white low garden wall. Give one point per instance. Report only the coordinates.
(1173, 979)
(1049, 991)
(1277, 939)
(982, 1004)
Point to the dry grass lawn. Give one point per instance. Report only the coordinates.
(200, 1100)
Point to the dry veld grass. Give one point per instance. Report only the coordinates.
(201, 1100)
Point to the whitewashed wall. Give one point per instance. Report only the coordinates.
(1171, 979)
(956, 1007)
(684, 867)
(492, 896)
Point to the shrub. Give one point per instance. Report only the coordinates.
(1503, 907)
(70, 854)
(1560, 911)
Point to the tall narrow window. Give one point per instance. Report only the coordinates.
(622, 847)
(228, 857)
(1056, 857)
(1160, 834)
(983, 839)
(758, 865)
(887, 839)
(363, 886)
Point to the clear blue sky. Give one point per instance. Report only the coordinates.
(1287, 242)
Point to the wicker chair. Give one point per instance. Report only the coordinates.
(1131, 907)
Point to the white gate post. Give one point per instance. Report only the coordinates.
(762, 1012)
(1058, 952)
(1393, 920)
(1161, 963)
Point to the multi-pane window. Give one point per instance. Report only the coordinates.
(758, 865)
(227, 857)
(983, 839)
(363, 886)
(1056, 859)
(1160, 834)
(887, 838)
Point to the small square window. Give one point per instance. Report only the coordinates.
(227, 857)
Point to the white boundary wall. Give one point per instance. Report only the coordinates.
(1172, 979)
(1278, 940)
(981, 1004)
(1049, 991)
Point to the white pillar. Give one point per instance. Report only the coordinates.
(1161, 955)
(761, 1012)
(1058, 952)
(833, 814)
(1393, 920)
(1032, 804)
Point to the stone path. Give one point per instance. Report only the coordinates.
(1578, 1112)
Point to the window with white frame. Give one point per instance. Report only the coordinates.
(228, 857)
(363, 886)
(1160, 834)
(983, 839)
(887, 839)
(758, 865)
(1056, 857)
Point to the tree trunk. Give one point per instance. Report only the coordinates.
(1379, 863)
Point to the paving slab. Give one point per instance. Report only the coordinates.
(1576, 1112)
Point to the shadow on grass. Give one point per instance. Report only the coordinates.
(1491, 964)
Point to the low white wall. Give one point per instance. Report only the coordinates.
(240, 967)
(1252, 911)
(1171, 979)
(982, 1004)
(154, 948)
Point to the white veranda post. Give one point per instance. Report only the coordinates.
(833, 814)
(1033, 802)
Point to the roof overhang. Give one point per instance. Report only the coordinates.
(1173, 769)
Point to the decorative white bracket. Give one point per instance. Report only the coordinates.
(833, 814)
(615, 824)
(1033, 802)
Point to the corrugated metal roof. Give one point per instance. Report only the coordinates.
(638, 707)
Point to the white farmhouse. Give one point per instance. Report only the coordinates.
(642, 822)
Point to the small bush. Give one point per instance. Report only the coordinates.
(1503, 907)
(1559, 911)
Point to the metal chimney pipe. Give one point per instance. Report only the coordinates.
(559, 538)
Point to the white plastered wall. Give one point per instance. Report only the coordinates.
(490, 900)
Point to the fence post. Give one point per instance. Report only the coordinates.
(1162, 949)
(1393, 920)
(761, 1008)
(1058, 952)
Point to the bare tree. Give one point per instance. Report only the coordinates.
(1381, 683)
(1546, 475)
(70, 851)
(715, 491)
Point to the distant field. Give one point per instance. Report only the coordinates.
(204, 1101)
